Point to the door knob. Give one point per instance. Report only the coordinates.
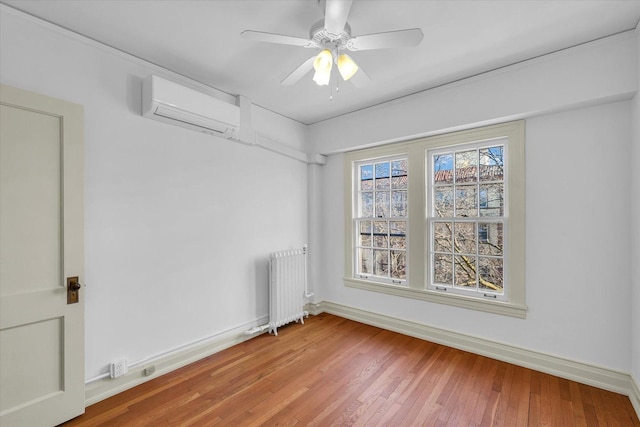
(73, 286)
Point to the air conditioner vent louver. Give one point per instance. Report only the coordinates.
(181, 106)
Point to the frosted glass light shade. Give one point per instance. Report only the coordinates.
(322, 64)
(322, 78)
(347, 66)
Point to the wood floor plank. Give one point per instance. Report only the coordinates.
(466, 394)
(576, 403)
(410, 399)
(333, 371)
(520, 400)
(502, 386)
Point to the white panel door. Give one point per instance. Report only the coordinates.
(41, 245)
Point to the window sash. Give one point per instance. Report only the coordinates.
(474, 260)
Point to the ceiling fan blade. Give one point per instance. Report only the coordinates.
(400, 38)
(299, 72)
(360, 79)
(335, 15)
(259, 36)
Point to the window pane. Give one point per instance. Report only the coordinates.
(366, 205)
(366, 177)
(380, 241)
(382, 170)
(443, 168)
(398, 242)
(399, 203)
(466, 201)
(380, 227)
(365, 261)
(490, 238)
(399, 174)
(492, 164)
(397, 233)
(443, 201)
(465, 237)
(365, 233)
(465, 271)
(382, 183)
(442, 237)
(382, 176)
(398, 262)
(466, 166)
(398, 228)
(491, 199)
(442, 269)
(381, 263)
(491, 274)
(382, 204)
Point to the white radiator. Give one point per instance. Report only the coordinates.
(287, 289)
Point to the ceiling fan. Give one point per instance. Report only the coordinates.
(332, 36)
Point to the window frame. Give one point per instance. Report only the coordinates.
(418, 250)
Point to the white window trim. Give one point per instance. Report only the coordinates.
(418, 246)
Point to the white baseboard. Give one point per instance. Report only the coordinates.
(103, 388)
(608, 379)
(313, 308)
(634, 395)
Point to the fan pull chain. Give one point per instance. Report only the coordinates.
(337, 80)
(331, 86)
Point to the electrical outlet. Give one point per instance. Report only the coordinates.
(118, 368)
(149, 370)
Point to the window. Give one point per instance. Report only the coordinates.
(381, 220)
(466, 194)
(440, 219)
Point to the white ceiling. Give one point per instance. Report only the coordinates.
(201, 40)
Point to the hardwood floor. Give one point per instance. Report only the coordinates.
(333, 371)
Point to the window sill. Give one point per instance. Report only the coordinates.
(496, 307)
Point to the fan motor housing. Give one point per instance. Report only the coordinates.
(319, 35)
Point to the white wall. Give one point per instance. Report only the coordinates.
(635, 215)
(588, 74)
(178, 224)
(578, 215)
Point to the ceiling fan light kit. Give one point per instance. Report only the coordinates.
(323, 63)
(332, 36)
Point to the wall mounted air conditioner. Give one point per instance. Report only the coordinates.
(172, 103)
